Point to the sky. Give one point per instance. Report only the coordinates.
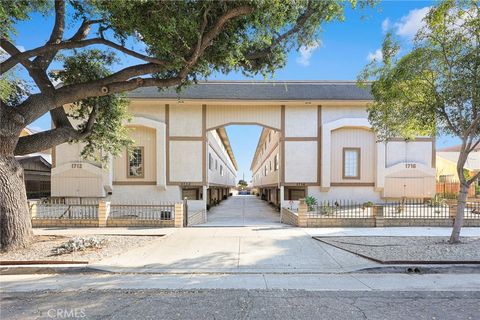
(343, 49)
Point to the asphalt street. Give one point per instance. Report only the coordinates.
(239, 304)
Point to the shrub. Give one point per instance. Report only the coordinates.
(79, 244)
(311, 202)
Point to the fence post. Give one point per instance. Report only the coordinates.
(378, 215)
(178, 223)
(103, 213)
(32, 205)
(185, 212)
(302, 213)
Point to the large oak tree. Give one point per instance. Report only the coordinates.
(170, 43)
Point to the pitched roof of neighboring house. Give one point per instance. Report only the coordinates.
(46, 159)
(261, 90)
(473, 161)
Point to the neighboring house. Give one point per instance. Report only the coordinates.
(37, 171)
(318, 132)
(447, 164)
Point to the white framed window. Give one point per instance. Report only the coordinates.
(221, 170)
(216, 164)
(210, 161)
(275, 162)
(270, 166)
(135, 161)
(351, 163)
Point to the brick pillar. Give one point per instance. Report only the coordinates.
(378, 215)
(103, 213)
(302, 213)
(178, 215)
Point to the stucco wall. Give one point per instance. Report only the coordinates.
(300, 161)
(186, 161)
(353, 138)
(220, 157)
(218, 115)
(301, 121)
(186, 120)
(268, 149)
(144, 194)
(142, 137)
(360, 194)
(410, 151)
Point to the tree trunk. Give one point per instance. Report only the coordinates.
(15, 223)
(457, 225)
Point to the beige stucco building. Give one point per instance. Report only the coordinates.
(316, 141)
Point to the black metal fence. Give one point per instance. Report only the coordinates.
(472, 210)
(416, 209)
(142, 211)
(344, 209)
(61, 209)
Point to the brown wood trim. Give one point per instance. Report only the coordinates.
(282, 144)
(300, 139)
(319, 144)
(352, 184)
(167, 142)
(271, 185)
(242, 123)
(142, 148)
(185, 138)
(288, 192)
(54, 157)
(299, 184)
(434, 152)
(359, 168)
(186, 183)
(219, 185)
(204, 145)
(140, 183)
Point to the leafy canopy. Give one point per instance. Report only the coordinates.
(434, 88)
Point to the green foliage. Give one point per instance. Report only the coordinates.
(435, 87)
(12, 89)
(311, 202)
(13, 11)
(242, 184)
(108, 135)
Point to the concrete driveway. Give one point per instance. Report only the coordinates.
(243, 234)
(241, 211)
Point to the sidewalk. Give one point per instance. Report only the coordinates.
(316, 282)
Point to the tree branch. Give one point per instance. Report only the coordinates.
(46, 139)
(56, 35)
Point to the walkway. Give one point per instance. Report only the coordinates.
(242, 211)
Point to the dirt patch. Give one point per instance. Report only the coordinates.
(409, 249)
(42, 246)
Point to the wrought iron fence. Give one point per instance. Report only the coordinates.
(416, 209)
(61, 209)
(472, 210)
(164, 211)
(344, 209)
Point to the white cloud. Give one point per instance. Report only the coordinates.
(377, 56)
(306, 53)
(411, 23)
(385, 25)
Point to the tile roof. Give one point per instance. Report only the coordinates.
(260, 90)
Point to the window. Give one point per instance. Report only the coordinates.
(136, 163)
(275, 162)
(210, 161)
(294, 194)
(351, 163)
(216, 164)
(265, 170)
(265, 145)
(270, 136)
(221, 170)
(270, 166)
(191, 194)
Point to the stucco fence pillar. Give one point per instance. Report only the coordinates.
(377, 214)
(179, 212)
(103, 213)
(302, 213)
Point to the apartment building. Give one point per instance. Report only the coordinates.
(317, 141)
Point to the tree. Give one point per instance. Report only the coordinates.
(242, 184)
(434, 88)
(181, 40)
